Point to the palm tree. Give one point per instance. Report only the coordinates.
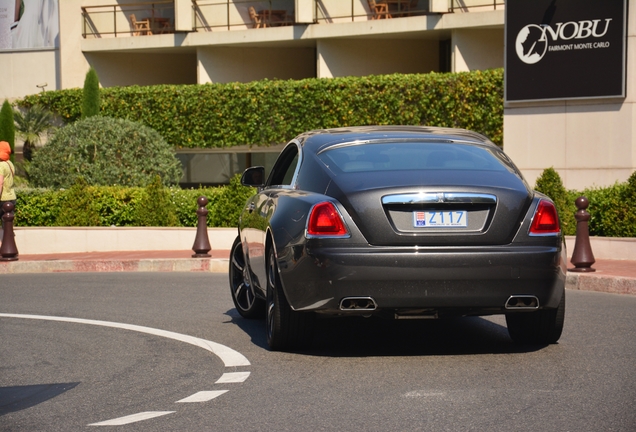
(30, 126)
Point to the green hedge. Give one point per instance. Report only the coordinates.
(612, 209)
(272, 112)
(120, 206)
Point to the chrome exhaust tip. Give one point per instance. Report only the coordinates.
(519, 302)
(358, 304)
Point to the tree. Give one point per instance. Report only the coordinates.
(106, 152)
(7, 126)
(30, 126)
(90, 95)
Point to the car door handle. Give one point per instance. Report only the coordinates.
(251, 207)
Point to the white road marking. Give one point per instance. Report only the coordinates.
(227, 355)
(203, 396)
(132, 418)
(232, 377)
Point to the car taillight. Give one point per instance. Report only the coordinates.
(545, 220)
(324, 220)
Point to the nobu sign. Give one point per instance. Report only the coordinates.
(565, 49)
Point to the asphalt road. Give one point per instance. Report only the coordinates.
(361, 374)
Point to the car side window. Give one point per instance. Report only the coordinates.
(285, 167)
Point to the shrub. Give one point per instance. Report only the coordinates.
(115, 205)
(76, 206)
(185, 202)
(155, 207)
(274, 111)
(612, 211)
(37, 207)
(105, 151)
(611, 208)
(225, 207)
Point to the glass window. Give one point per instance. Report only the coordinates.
(411, 156)
(217, 168)
(285, 167)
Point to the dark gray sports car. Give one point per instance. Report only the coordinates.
(398, 221)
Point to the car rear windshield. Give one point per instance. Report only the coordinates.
(399, 156)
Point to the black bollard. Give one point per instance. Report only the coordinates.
(8, 250)
(582, 257)
(201, 245)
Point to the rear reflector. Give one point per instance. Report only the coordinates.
(545, 220)
(324, 220)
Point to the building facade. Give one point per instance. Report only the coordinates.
(139, 42)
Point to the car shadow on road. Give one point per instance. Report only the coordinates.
(376, 336)
(362, 337)
(22, 397)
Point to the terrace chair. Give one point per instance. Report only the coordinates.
(257, 19)
(140, 27)
(379, 10)
(412, 5)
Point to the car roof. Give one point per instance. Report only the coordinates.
(320, 139)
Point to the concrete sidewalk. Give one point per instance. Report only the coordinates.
(180, 260)
(611, 276)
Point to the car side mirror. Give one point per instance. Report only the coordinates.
(254, 177)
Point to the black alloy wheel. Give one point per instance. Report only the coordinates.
(286, 328)
(540, 327)
(245, 300)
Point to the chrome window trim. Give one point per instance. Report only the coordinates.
(298, 165)
(328, 147)
(440, 197)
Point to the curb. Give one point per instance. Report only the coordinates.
(600, 283)
(209, 265)
(574, 281)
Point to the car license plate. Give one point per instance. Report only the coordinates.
(440, 219)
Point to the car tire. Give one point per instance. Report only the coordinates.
(245, 300)
(286, 328)
(541, 327)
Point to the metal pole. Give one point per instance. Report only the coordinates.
(201, 245)
(8, 249)
(582, 257)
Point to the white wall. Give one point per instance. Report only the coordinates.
(73, 66)
(360, 57)
(477, 49)
(21, 72)
(124, 69)
(46, 240)
(222, 65)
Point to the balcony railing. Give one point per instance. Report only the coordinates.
(134, 19)
(457, 6)
(210, 15)
(330, 11)
(156, 17)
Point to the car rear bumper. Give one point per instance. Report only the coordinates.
(456, 281)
